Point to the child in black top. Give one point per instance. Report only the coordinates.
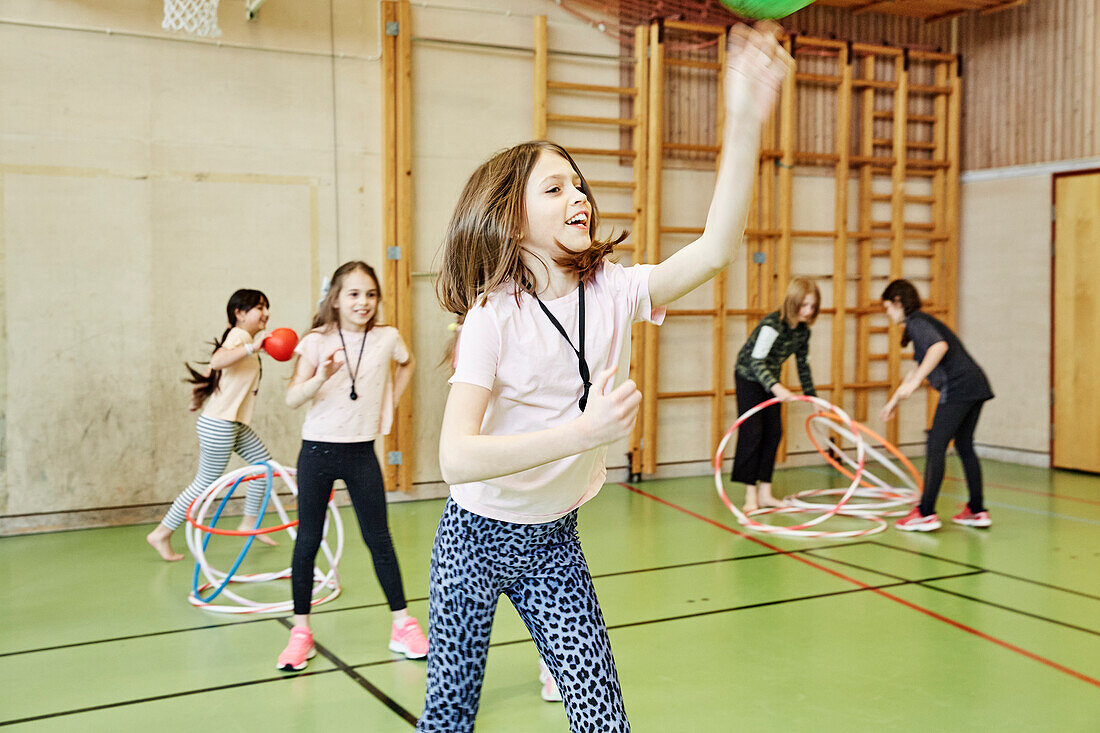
(963, 390)
(756, 378)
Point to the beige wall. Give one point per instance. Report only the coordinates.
(143, 178)
(1004, 305)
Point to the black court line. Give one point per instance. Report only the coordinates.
(168, 696)
(361, 680)
(363, 606)
(882, 593)
(207, 627)
(341, 666)
(924, 584)
(715, 561)
(1012, 609)
(979, 567)
(760, 604)
(811, 553)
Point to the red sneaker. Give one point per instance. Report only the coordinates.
(407, 638)
(970, 519)
(915, 522)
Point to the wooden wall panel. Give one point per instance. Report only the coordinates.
(1033, 88)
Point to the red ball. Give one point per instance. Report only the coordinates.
(280, 344)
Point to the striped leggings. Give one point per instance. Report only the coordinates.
(218, 440)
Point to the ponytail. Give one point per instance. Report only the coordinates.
(205, 383)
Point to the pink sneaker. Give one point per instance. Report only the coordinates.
(970, 519)
(914, 522)
(407, 638)
(549, 691)
(299, 650)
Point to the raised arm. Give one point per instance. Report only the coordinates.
(756, 66)
(466, 455)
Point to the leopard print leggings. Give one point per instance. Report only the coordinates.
(542, 571)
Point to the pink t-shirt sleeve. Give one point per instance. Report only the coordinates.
(308, 347)
(480, 353)
(400, 350)
(632, 285)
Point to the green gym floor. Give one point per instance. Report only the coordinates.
(713, 629)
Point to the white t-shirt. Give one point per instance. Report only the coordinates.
(517, 354)
(333, 417)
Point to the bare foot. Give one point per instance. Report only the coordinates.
(769, 500)
(248, 523)
(160, 540)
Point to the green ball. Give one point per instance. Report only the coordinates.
(765, 9)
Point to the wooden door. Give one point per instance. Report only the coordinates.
(1075, 373)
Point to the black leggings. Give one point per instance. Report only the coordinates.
(319, 465)
(759, 437)
(952, 420)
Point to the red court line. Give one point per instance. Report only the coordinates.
(877, 591)
(1028, 491)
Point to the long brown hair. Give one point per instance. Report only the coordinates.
(206, 383)
(481, 250)
(797, 290)
(328, 309)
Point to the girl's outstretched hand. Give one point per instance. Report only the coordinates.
(755, 68)
(608, 417)
(331, 363)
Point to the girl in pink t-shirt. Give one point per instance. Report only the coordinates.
(531, 408)
(343, 373)
(227, 388)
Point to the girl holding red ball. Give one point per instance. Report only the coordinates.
(228, 389)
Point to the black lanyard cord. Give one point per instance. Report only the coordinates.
(347, 362)
(582, 365)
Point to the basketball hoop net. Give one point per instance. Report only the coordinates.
(197, 17)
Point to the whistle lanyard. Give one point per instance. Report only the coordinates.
(582, 365)
(347, 362)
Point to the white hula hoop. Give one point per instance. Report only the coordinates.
(326, 585)
(808, 528)
(882, 499)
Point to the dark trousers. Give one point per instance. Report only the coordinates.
(758, 437)
(953, 420)
(319, 465)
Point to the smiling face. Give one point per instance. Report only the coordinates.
(358, 300)
(253, 320)
(558, 212)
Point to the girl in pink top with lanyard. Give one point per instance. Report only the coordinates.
(532, 407)
(343, 374)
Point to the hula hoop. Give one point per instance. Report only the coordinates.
(241, 532)
(884, 499)
(917, 481)
(826, 511)
(326, 586)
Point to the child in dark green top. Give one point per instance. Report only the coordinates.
(777, 336)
